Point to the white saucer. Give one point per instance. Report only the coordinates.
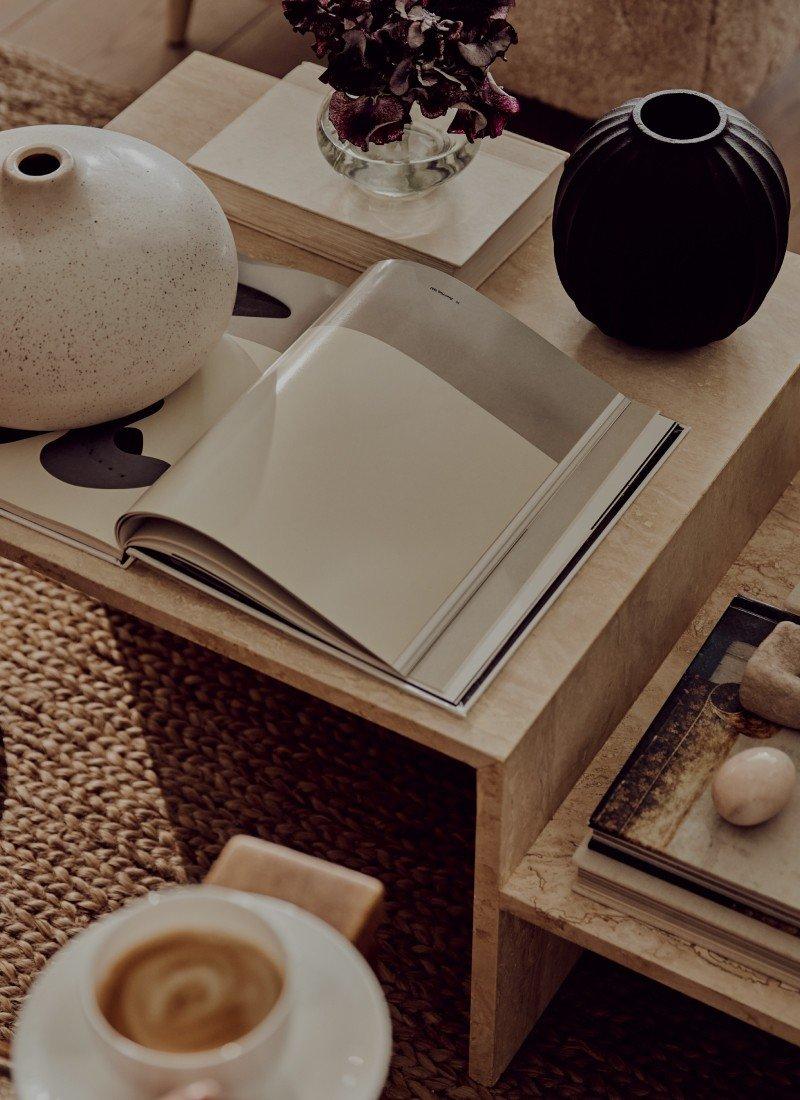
(339, 1046)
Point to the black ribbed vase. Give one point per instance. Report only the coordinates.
(671, 220)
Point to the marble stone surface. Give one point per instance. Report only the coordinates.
(792, 601)
(771, 682)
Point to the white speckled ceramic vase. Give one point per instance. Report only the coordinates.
(117, 275)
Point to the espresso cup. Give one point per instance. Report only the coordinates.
(243, 1067)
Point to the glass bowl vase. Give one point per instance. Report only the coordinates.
(425, 157)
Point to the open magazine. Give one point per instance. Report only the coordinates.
(401, 472)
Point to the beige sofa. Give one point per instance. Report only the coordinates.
(589, 55)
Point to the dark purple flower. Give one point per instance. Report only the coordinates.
(487, 114)
(383, 56)
(366, 119)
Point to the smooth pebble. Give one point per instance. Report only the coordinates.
(754, 785)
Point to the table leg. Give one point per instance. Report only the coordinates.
(516, 967)
(516, 970)
(178, 12)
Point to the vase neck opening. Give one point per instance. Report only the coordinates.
(38, 164)
(680, 116)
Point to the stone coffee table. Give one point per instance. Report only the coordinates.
(543, 719)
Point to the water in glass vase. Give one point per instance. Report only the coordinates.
(424, 158)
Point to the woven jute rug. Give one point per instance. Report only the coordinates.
(128, 757)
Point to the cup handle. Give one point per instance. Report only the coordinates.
(349, 901)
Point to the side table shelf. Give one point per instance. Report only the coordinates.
(540, 890)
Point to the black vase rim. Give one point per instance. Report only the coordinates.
(695, 117)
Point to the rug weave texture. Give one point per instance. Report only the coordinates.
(128, 757)
(34, 90)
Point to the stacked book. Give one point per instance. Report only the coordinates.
(659, 851)
(267, 172)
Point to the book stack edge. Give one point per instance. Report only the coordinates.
(268, 173)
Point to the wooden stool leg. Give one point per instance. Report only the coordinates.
(178, 12)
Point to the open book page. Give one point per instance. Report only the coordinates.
(80, 482)
(275, 304)
(77, 484)
(389, 457)
(359, 481)
(564, 530)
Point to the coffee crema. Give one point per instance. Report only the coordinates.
(189, 991)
